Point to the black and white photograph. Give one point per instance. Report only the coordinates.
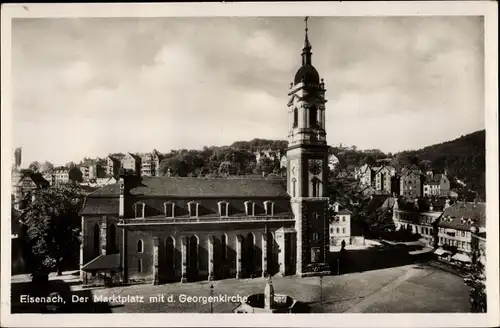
(303, 159)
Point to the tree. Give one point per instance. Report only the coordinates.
(370, 160)
(476, 280)
(46, 167)
(265, 165)
(53, 226)
(75, 174)
(35, 166)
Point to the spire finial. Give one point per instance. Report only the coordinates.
(306, 49)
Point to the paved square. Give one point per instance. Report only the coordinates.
(404, 289)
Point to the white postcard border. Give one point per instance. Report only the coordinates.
(445, 8)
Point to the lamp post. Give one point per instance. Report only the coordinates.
(211, 298)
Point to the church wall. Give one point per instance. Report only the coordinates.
(202, 232)
(207, 206)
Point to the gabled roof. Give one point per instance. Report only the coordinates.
(134, 156)
(459, 210)
(199, 188)
(37, 179)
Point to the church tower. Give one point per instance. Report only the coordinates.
(307, 164)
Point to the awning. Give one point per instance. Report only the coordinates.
(462, 258)
(440, 251)
(103, 262)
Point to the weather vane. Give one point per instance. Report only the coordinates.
(305, 20)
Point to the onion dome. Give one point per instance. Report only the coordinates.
(306, 73)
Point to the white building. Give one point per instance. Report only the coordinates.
(340, 226)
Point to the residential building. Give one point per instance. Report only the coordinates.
(333, 161)
(419, 216)
(27, 182)
(340, 226)
(113, 163)
(85, 169)
(97, 171)
(60, 175)
(437, 185)
(411, 184)
(383, 178)
(283, 162)
(131, 163)
(150, 164)
(365, 175)
(272, 154)
(456, 222)
(158, 229)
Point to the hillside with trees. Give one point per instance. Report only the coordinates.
(464, 158)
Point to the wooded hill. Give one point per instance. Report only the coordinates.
(463, 157)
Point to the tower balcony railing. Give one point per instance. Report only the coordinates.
(161, 220)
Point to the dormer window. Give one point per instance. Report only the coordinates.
(193, 209)
(139, 210)
(250, 208)
(224, 209)
(169, 209)
(269, 207)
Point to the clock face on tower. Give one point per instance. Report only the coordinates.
(315, 167)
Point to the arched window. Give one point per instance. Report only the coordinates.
(315, 187)
(343, 230)
(295, 117)
(269, 207)
(338, 230)
(112, 239)
(315, 216)
(315, 236)
(224, 208)
(140, 246)
(169, 209)
(139, 209)
(313, 117)
(250, 208)
(223, 246)
(294, 187)
(97, 241)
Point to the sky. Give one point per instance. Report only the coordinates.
(89, 87)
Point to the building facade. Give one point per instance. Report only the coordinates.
(437, 185)
(131, 163)
(150, 164)
(60, 175)
(340, 226)
(159, 229)
(456, 222)
(419, 216)
(411, 184)
(365, 175)
(383, 178)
